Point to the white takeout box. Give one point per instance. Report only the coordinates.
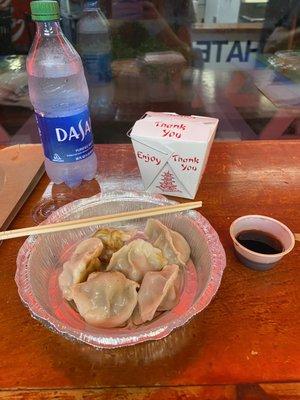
(172, 151)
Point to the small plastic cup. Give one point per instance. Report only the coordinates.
(252, 259)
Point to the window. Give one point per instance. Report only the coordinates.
(237, 60)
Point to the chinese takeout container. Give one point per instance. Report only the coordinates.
(172, 151)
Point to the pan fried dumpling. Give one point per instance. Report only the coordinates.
(113, 240)
(159, 291)
(137, 258)
(173, 245)
(106, 299)
(83, 261)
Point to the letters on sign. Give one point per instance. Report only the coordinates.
(220, 51)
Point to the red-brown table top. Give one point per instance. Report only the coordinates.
(244, 345)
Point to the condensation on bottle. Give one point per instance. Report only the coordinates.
(59, 94)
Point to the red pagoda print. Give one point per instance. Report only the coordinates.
(168, 183)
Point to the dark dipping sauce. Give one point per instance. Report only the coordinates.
(260, 242)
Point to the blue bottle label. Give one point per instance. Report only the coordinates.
(66, 139)
(98, 67)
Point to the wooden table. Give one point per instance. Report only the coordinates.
(244, 345)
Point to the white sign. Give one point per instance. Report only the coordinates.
(227, 54)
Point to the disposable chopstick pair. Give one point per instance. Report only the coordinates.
(100, 220)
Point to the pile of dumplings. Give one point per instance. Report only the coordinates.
(116, 279)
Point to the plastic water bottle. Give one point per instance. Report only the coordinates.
(94, 46)
(59, 94)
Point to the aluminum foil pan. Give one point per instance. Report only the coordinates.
(40, 260)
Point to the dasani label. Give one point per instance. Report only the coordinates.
(66, 139)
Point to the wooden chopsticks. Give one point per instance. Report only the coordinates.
(105, 219)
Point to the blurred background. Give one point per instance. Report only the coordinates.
(237, 60)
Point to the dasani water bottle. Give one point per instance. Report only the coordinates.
(59, 94)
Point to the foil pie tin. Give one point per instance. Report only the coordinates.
(40, 260)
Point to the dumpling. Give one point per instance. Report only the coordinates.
(113, 240)
(137, 258)
(159, 291)
(106, 299)
(173, 245)
(83, 261)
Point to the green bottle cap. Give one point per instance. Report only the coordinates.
(44, 10)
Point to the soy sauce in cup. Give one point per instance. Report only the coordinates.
(260, 242)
